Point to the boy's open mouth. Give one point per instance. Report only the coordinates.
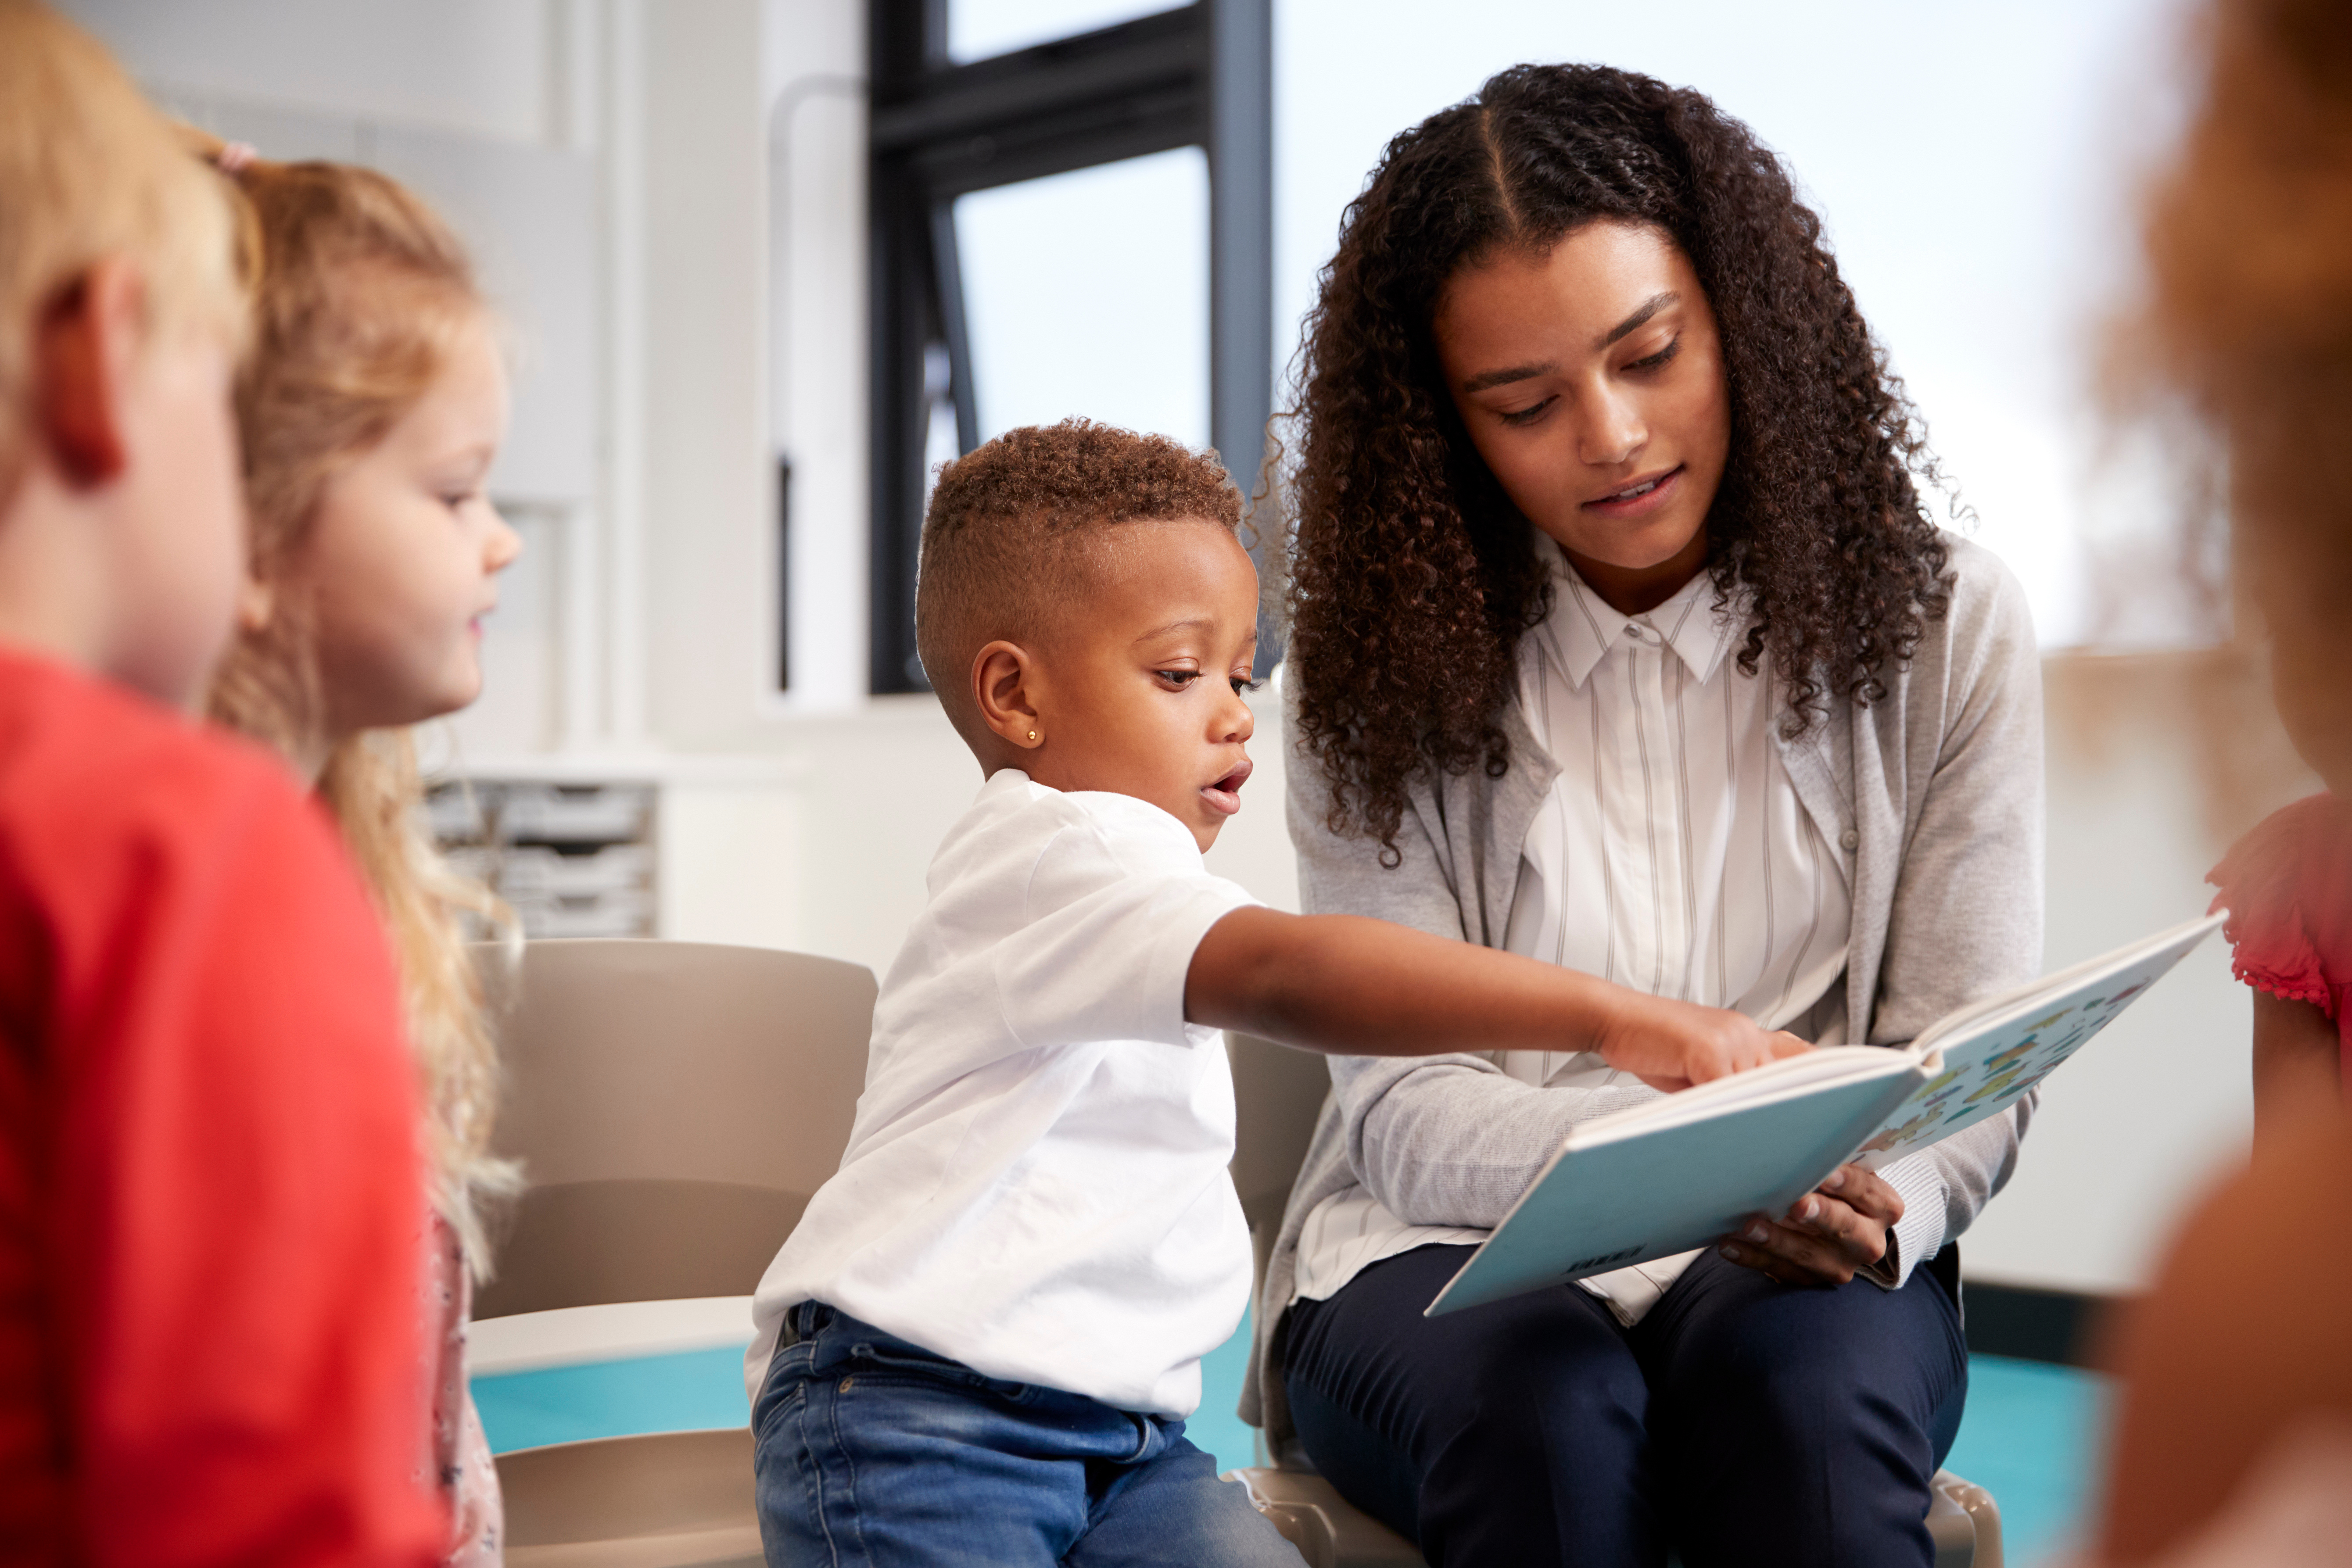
(1226, 794)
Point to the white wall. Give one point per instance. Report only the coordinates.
(480, 67)
(2143, 798)
(707, 540)
(816, 151)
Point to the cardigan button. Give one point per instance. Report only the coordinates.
(1849, 840)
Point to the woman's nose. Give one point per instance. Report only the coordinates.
(1610, 431)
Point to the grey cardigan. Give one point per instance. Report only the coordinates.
(1933, 794)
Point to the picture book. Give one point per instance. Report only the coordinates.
(1686, 1168)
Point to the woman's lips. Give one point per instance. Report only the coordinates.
(1662, 489)
(1224, 796)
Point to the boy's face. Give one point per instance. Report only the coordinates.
(1138, 692)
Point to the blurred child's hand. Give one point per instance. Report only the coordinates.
(1673, 1045)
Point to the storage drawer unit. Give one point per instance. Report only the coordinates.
(573, 859)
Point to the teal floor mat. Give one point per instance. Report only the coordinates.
(2031, 1437)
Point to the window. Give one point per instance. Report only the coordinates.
(1079, 226)
(982, 29)
(1088, 293)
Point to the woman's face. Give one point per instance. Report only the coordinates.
(1591, 379)
(403, 561)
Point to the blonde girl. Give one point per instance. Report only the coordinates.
(372, 406)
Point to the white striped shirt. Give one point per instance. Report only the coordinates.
(1673, 856)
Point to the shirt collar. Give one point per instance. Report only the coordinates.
(1582, 628)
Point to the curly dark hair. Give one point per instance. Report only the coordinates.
(1412, 575)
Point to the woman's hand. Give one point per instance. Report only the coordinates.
(1671, 1045)
(1829, 1234)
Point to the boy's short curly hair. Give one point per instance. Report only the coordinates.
(1012, 531)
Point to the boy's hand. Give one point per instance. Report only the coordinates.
(1673, 1045)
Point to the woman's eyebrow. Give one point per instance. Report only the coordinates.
(1650, 307)
(1485, 379)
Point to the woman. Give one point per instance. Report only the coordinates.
(1622, 638)
(371, 405)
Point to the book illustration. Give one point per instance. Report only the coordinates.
(1688, 1168)
(1999, 1083)
(1989, 1065)
(1893, 1136)
(2018, 1052)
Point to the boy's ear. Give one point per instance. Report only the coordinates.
(90, 337)
(1003, 676)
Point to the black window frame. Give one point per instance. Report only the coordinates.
(1199, 76)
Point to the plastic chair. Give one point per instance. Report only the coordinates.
(675, 1105)
(1278, 1093)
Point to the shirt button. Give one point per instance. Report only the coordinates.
(1850, 839)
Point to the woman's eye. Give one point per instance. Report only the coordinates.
(1242, 683)
(1658, 359)
(1178, 678)
(1528, 415)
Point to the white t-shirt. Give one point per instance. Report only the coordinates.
(1036, 1182)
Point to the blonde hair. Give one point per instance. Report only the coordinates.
(361, 290)
(89, 170)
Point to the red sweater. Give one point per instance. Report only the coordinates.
(209, 1193)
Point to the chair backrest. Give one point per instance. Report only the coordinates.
(675, 1105)
(1277, 1095)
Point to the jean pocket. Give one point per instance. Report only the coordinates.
(867, 1359)
(780, 1399)
(785, 1384)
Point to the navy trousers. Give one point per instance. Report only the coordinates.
(1740, 1422)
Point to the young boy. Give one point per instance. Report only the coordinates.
(982, 1342)
(209, 1195)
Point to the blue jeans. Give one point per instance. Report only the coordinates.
(876, 1453)
(1740, 1422)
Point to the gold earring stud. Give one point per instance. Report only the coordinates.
(1033, 735)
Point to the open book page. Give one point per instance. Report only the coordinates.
(1983, 1059)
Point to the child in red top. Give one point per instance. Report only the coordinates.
(2289, 894)
(208, 1175)
(2288, 888)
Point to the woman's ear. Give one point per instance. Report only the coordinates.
(1003, 685)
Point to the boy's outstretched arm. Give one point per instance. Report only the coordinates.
(1359, 987)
